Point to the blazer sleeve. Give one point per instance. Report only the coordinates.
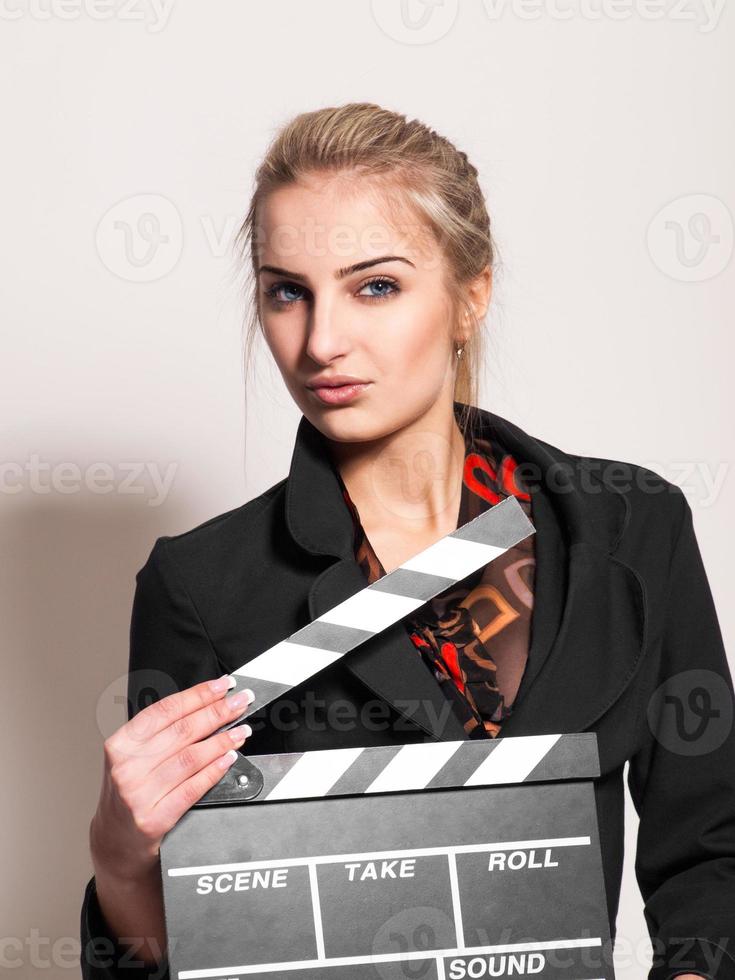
(682, 780)
(169, 651)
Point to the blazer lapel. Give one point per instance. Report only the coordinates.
(320, 522)
(588, 623)
(589, 632)
(388, 663)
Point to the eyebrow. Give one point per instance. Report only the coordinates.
(340, 273)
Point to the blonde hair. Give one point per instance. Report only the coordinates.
(412, 167)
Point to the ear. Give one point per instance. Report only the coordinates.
(479, 291)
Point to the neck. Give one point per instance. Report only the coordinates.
(412, 476)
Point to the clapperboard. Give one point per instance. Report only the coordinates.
(444, 859)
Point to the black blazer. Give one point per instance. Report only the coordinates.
(622, 605)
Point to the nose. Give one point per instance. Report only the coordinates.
(325, 338)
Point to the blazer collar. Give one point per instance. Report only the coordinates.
(588, 626)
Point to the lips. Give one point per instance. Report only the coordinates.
(336, 381)
(340, 394)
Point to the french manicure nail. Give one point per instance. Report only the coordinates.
(239, 733)
(223, 683)
(240, 699)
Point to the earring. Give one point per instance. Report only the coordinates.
(459, 351)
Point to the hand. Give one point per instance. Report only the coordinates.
(157, 766)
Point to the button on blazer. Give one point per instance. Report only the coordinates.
(625, 642)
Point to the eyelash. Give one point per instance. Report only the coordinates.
(272, 290)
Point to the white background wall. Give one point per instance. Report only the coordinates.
(612, 319)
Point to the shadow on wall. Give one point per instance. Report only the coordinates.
(68, 578)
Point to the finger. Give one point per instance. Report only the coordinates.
(190, 759)
(140, 791)
(182, 797)
(133, 738)
(200, 724)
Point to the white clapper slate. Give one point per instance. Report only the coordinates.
(444, 859)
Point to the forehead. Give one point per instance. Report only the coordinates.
(323, 220)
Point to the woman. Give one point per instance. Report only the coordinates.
(372, 266)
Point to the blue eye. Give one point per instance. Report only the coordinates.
(273, 290)
(385, 286)
(382, 281)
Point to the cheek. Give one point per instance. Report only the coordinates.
(285, 341)
(421, 336)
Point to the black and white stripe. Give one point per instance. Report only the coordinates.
(426, 766)
(382, 603)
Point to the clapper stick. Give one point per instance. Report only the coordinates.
(365, 614)
(381, 604)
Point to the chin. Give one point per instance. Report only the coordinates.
(343, 429)
(349, 424)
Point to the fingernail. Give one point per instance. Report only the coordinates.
(227, 759)
(240, 699)
(239, 733)
(223, 683)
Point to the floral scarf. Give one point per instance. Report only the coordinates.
(475, 635)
